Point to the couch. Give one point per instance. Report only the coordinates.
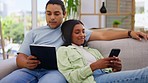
(134, 54)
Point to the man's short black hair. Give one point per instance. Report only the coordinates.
(58, 2)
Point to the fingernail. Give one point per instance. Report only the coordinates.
(140, 39)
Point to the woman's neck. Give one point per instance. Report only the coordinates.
(75, 44)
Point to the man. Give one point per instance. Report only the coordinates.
(51, 35)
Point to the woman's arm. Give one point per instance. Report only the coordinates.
(105, 63)
(66, 66)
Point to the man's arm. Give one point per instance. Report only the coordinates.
(112, 33)
(24, 61)
(21, 60)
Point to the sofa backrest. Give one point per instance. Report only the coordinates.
(134, 53)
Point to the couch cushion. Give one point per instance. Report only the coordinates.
(7, 66)
(134, 53)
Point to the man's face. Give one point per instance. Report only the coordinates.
(54, 15)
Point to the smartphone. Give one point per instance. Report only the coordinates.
(114, 52)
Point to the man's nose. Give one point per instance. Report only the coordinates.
(52, 17)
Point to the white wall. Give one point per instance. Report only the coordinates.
(91, 21)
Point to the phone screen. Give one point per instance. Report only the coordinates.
(114, 52)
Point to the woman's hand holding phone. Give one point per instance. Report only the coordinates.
(116, 64)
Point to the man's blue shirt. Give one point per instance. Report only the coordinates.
(44, 36)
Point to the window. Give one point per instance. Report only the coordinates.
(41, 20)
(15, 15)
(16, 21)
(141, 16)
(18, 17)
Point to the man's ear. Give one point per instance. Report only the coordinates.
(65, 14)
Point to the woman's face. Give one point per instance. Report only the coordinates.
(78, 34)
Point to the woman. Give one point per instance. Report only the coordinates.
(81, 64)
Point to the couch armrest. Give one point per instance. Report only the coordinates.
(134, 53)
(7, 66)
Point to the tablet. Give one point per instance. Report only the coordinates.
(46, 54)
